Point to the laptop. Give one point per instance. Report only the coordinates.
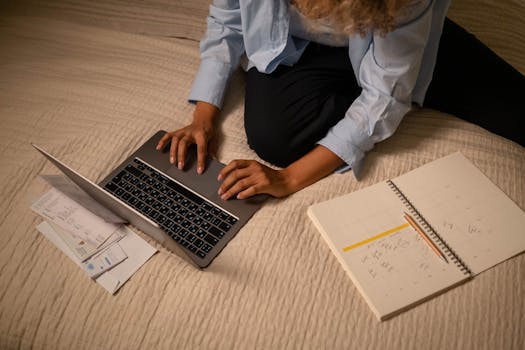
(178, 208)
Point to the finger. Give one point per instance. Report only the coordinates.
(173, 149)
(250, 191)
(201, 155)
(237, 187)
(234, 164)
(236, 181)
(181, 154)
(233, 177)
(163, 141)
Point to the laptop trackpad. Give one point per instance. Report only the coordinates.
(205, 184)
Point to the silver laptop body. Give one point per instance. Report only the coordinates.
(178, 208)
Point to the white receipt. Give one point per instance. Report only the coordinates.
(82, 249)
(105, 260)
(70, 216)
(137, 249)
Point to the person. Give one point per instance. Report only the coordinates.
(327, 79)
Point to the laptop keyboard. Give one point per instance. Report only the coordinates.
(192, 221)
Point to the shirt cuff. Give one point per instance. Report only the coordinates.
(210, 82)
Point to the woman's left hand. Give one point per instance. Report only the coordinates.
(246, 178)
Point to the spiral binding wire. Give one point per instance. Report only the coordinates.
(434, 235)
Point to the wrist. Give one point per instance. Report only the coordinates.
(205, 114)
(292, 179)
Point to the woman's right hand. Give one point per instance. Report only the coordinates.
(199, 132)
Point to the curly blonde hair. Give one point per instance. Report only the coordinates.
(355, 16)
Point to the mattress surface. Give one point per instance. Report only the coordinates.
(90, 81)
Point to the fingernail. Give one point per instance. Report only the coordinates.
(172, 160)
(199, 170)
(180, 165)
(219, 192)
(219, 178)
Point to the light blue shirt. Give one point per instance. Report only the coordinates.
(393, 70)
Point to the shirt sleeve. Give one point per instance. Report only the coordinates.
(221, 50)
(387, 75)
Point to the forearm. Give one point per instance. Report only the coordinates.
(310, 168)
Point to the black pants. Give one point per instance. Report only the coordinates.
(289, 110)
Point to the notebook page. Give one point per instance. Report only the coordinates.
(387, 260)
(476, 219)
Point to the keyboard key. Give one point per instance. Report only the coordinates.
(211, 239)
(198, 243)
(201, 233)
(192, 207)
(216, 232)
(112, 187)
(198, 221)
(231, 220)
(224, 226)
(207, 206)
(136, 172)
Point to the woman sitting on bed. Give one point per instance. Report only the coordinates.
(327, 79)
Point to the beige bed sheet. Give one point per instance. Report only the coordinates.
(90, 81)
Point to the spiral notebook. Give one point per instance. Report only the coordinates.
(470, 220)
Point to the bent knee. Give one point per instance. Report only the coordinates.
(272, 145)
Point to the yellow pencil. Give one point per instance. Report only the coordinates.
(423, 235)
